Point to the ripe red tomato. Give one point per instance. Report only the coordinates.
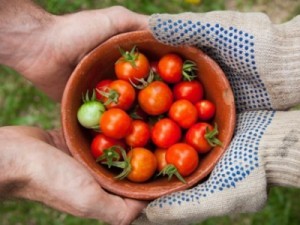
(132, 65)
(160, 154)
(139, 134)
(206, 109)
(102, 87)
(165, 133)
(120, 94)
(202, 136)
(184, 157)
(115, 123)
(170, 68)
(101, 142)
(156, 98)
(143, 164)
(189, 90)
(184, 113)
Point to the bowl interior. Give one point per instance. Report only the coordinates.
(98, 65)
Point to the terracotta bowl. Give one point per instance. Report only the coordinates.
(98, 65)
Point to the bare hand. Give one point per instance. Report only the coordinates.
(34, 168)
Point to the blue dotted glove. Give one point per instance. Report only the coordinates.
(261, 62)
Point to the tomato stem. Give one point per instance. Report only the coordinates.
(210, 136)
(142, 82)
(130, 57)
(111, 95)
(110, 155)
(86, 97)
(125, 164)
(171, 170)
(188, 70)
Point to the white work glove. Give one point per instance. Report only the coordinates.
(262, 63)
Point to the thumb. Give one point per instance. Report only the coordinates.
(124, 20)
(81, 32)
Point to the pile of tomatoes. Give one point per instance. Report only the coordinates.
(152, 119)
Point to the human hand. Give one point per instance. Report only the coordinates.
(35, 165)
(261, 61)
(48, 48)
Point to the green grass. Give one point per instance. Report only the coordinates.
(21, 103)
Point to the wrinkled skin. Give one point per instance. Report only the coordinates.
(36, 164)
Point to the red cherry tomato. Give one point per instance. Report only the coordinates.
(139, 134)
(160, 154)
(184, 113)
(102, 87)
(195, 137)
(131, 66)
(120, 94)
(189, 90)
(206, 109)
(165, 133)
(115, 123)
(143, 164)
(101, 142)
(156, 98)
(170, 68)
(184, 157)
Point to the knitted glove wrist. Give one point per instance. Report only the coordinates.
(280, 150)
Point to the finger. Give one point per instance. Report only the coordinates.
(57, 140)
(124, 20)
(84, 30)
(137, 208)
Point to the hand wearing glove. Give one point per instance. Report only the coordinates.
(262, 63)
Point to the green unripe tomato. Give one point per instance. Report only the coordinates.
(89, 114)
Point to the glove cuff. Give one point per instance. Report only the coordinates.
(280, 149)
(278, 60)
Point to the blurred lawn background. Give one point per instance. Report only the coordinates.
(21, 103)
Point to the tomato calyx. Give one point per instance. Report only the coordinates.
(142, 83)
(171, 170)
(130, 57)
(109, 155)
(111, 95)
(211, 138)
(188, 70)
(87, 98)
(125, 165)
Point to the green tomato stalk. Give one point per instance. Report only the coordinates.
(125, 165)
(171, 170)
